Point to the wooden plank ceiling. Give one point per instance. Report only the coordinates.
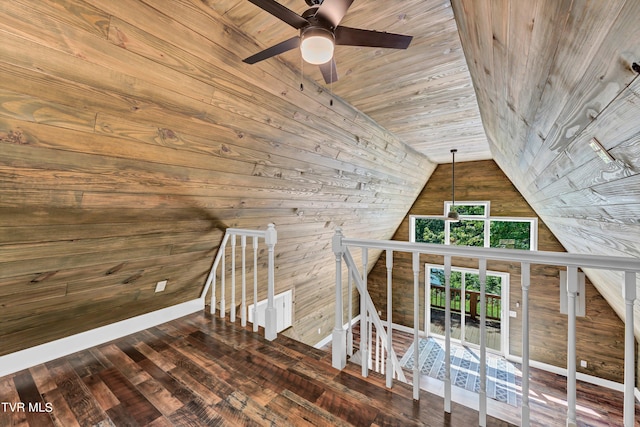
(423, 95)
(132, 133)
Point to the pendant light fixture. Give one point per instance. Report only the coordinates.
(453, 215)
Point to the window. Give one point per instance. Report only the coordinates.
(475, 228)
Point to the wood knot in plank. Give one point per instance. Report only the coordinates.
(167, 134)
(14, 137)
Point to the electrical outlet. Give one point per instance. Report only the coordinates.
(319, 331)
(583, 363)
(161, 285)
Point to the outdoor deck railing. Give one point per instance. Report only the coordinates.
(492, 302)
(629, 267)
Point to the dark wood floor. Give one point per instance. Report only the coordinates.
(596, 406)
(203, 371)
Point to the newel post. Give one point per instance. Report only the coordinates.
(270, 238)
(339, 344)
(629, 295)
(572, 292)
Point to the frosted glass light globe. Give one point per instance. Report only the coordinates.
(317, 48)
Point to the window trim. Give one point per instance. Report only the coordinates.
(486, 204)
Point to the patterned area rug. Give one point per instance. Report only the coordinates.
(465, 369)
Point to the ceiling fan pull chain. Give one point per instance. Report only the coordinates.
(331, 89)
(301, 74)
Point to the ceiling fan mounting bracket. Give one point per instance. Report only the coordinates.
(315, 20)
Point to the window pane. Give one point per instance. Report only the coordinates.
(429, 230)
(455, 280)
(492, 285)
(437, 276)
(467, 233)
(476, 210)
(472, 282)
(510, 234)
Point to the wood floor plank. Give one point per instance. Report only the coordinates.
(62, 415)
(79, 398)
(132, 401)
(101, 393)
(36, 411)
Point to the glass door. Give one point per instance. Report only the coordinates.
(465, 306)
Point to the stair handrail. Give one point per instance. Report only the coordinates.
(270, 238)
(371, 310)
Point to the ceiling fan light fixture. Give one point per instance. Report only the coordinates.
(317, 46)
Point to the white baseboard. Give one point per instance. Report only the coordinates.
(579, 375)
(324, 341)
(29, 357)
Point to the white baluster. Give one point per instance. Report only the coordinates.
(243, 298)
(349, 315)
(629, 295)
(482, 266)
(233, 278)
(370, 341)
(255, 283)
(525, 271)
(447, 334)
(211, 279)
(213, 294)
(572, 292)
(364, 322)
(382, 356)
(338, 346)
(389, 265)
(377, 363)
(271, 316)
(213, 288)
(223, 273)
(416, 325)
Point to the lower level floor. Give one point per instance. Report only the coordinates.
(597, 406)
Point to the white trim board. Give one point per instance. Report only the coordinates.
(326, 340)
(42, 353)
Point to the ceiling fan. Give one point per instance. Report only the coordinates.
(320, 31)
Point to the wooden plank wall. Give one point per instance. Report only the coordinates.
(132, 135)
(600, 333)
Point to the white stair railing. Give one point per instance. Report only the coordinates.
(270, 238)
(368, 314)
(572, 262)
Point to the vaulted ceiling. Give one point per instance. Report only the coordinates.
(549, 77)
(132, 133)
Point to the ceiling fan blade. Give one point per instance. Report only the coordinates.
(333, 10)
(329, 71)
(282, 47)
(281, 12)
(347, 36)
